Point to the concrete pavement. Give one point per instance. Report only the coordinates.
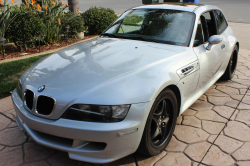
(242, 32)
(215, 130)
(234, 10)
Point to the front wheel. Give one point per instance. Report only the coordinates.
(231, 67)
(160, 124)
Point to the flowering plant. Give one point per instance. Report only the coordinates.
(6, 17)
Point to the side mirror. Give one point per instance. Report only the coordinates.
(215, 39)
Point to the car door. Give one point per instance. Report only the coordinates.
(210, 60)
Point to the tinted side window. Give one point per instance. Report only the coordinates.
(199, 35)
(220, 20)
(210, 23)
(207, 16)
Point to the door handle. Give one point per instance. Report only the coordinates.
(223, 46)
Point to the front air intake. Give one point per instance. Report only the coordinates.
(45, 105)
(29, 99)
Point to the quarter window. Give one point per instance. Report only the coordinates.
(220, 20)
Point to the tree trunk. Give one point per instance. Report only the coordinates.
(74, 6)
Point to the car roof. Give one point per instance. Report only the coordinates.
(189, 7)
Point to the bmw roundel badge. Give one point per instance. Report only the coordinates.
(41, 88)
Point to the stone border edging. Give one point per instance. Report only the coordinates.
(41, 53)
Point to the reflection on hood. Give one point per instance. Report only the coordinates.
(94, 62)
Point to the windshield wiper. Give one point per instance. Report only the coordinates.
(140, 38)
(108, 34)
(131, 37)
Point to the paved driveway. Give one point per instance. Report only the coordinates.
(213, 131)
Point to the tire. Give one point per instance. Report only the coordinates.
(153, 143)
(232, 64)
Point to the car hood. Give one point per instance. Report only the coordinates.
(79, 68)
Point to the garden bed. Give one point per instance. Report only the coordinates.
(14, 52)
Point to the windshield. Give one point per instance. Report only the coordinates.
(157, 25)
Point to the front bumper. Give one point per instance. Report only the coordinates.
(85, 141)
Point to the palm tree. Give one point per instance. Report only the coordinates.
(74, 6)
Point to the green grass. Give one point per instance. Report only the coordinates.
(10, 73)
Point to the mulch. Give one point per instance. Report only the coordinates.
(14, 52)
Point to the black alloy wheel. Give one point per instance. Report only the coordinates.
(160, 124)
(233, 62)
(231, 67)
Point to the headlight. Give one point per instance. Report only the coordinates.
(19, 89)
(96, 113)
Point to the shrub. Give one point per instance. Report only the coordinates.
(26, 28)
(76, 23)
(98, 19)
(48, 20)
(6, 18)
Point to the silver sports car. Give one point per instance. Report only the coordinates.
(106, 98)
